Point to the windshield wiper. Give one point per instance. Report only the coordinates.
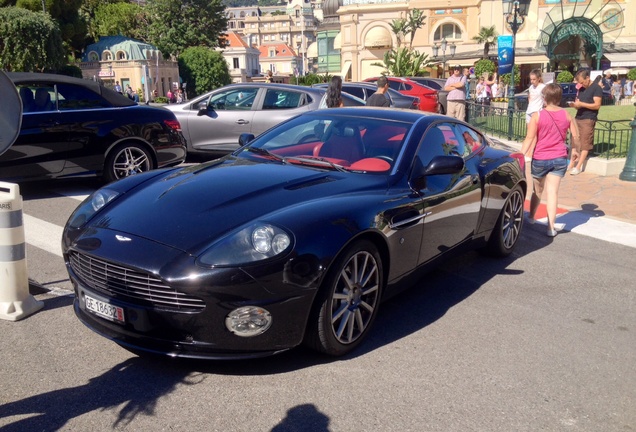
(264, 152)
(313, 160)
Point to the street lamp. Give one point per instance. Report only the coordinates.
(444, 45)
(515, 12)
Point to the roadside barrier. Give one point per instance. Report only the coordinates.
(15, 301)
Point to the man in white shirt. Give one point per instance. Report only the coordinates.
(535, 97)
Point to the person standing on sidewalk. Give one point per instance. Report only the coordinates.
(587, 104)
(456, 100)
(379, 98)
(545, 143)
(535, 95)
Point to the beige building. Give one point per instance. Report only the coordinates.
(118, 59)
(567, 33)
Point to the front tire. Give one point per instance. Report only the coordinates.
(507, 230)
(348, 301)
(126, 160)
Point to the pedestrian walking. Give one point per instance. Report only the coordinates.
(379, 98)
(545, 142)
(535, 94)
(587, 104)
(456, 100)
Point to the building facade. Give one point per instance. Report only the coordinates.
(555, 34)
(130, 62)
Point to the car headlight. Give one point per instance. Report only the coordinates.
(254, 243)
(90, 206)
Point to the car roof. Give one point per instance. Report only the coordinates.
(397, 114)
(114, 98)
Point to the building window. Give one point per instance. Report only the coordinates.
(448, 31)
(107, 56)
(235, 61)
(272, 53)
(265, 38)
(93, 56)
(121, 55)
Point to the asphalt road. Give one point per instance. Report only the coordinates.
(542, 341)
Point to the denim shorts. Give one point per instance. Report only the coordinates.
(541, 168)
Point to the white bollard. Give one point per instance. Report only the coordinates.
(15, 301)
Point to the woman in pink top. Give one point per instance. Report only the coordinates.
(545, 142)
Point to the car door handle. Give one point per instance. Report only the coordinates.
(242, 122)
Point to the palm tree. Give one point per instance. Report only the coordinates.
(414, 21)
(486, 36)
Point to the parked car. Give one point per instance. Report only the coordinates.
(364, 90)
(214, 121)
(429, 100)
(294, 238)
(73, 127)
(436, 84)
(569, 94)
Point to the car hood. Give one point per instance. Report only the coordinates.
(190, 208)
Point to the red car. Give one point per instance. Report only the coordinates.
(429, 100)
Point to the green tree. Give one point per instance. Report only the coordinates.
(404, 62)
(484, 65)
(565, 77)
(203, 69)
(29, 41)
(126, 19)
(179, 24)
(414, 22)
(487, 36)
(409, 25)
(505, 78)
(66, 13)
(88, 11)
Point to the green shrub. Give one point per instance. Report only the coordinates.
(632, 74)
(564, 77)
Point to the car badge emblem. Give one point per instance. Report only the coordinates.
(123, 238)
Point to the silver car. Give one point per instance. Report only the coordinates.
(214, 121)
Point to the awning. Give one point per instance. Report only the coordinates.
(345, 69)
(378, 37)
(533, 59)
(621, 59)
(312, 50)
(337, 41)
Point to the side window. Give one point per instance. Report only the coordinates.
(439, 140)
(395, 85)
(72, 97)
(235, 99)
(43, 98)
(356, 91)
(472, 140)
(283, 99)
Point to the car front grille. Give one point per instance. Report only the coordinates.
(121, 282)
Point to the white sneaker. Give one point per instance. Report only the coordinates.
(551, 233)
(575, 171)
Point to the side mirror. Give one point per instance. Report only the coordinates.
(444, 165)
(245, 138)
(203, 108)
(437, 166)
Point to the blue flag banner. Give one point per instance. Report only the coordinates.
(506, 54)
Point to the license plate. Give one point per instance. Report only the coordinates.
(104, 310)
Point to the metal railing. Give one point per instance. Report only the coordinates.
(611, 138)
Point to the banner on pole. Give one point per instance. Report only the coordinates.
(506, 54)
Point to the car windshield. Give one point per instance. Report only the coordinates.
(327, 140)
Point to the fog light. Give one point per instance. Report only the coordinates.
(248, 321)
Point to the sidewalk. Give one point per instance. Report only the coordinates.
(594, 194)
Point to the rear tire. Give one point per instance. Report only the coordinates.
(126, 160)
(507, 230)
(348, 301)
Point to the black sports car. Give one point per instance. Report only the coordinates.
(74, 127)
(295, 237)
